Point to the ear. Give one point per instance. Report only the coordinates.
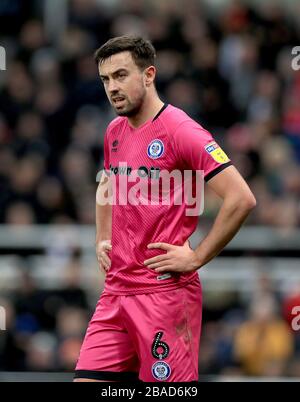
(149, 75)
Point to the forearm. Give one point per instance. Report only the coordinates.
(104, 210)
(103, 222)
(230, 218)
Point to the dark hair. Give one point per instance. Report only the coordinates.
(142, 51)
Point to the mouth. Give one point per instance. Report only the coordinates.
(118, 100)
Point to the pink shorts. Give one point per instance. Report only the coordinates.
(150, 337)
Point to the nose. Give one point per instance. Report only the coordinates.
(112, 86)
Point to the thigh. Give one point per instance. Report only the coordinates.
(166, 329)
(107, 352)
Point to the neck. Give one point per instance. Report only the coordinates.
(148, 111)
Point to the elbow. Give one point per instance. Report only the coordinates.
(242, 203)
(248, 202)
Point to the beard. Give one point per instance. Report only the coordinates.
(131, 108)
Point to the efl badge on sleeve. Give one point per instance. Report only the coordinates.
(216, 152)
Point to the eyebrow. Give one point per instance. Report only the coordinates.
(115, 72)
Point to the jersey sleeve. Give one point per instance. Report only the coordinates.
(197, 149)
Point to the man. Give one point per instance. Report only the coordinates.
(147, 322)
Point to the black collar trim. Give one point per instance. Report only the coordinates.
(161, 110)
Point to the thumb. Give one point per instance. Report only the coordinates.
(187, 243)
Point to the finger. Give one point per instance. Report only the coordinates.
(107, 246)
(157, 265)
(158, 258)
(163, 246)
(104, 265)
(105, 258)
(165, 268)
(102, 261)
(102, 269)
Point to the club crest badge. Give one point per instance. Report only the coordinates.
(161, 370)
(155, 149)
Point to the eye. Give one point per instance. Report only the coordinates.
(122, 75)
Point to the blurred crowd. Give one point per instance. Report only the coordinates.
(231, 71)
(44, 328)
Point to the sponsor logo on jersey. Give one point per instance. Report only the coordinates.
(142, 171)
(114, 146)
(155, 149)
(216, 152)
(161, 370)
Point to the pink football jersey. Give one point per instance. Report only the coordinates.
(172, 141)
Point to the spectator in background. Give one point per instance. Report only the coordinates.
(40, 352)
(263, 344)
